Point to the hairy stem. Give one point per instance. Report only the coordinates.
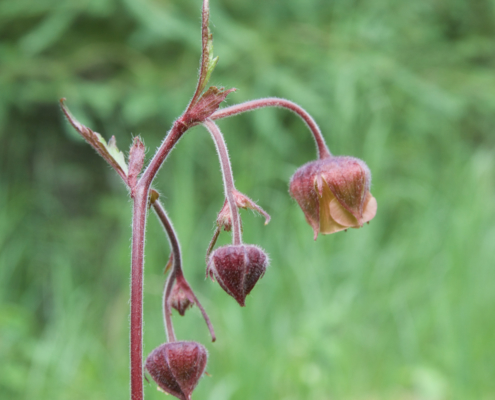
(203, 312)
(321, 146)
(228, 179)
(167, 312)
(137, 268)
(176, 274)
(173, 136)
(140, 197)
(213, 241)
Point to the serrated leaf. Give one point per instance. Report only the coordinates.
(109, 151)
(114, 151)
(208, 62)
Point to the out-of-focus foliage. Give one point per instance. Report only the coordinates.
(401, 309)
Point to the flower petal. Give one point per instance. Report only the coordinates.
(369, 209)
(327, 223)
(341, 215)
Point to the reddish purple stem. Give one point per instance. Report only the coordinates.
(323, 151)
(140, 208)
(228, 179)
(137, 268)
(176, 274)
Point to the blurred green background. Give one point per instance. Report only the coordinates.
(401, 309)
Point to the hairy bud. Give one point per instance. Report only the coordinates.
(334, 194)
(237, 268)
(177, 367)
(181, 298)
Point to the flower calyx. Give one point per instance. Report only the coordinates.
(237, 268)
(177, 367)
(181, 297)
(224, 218)
(206, 105)
(334, 194)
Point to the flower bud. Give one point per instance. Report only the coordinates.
(237, 268)
(181, 298)
(177, 366)
(334, 194)
(224, 218)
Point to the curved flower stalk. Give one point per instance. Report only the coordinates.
(333, 192)
(228, 179)
(237, 109)
(236, 267)
(177, 289)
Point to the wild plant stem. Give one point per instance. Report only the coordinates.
(137, 269)
(167, 312)
(173, 136)
(322, 148)
(177, 274)
(140, 208)
(228, 179)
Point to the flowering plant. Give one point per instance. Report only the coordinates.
(333, 193)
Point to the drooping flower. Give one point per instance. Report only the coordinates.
(181, 297)
(177, 367)
(237, 268)
(334, 194)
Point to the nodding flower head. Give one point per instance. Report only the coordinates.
(177, 366)
(237, 268)
(181, 298)
(334, 194)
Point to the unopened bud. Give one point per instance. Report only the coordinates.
(237, 268)
(177, 367)
(180, 298)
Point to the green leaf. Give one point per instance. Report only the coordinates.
(212, 63)
(114, 151)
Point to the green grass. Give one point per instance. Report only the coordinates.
(401, 309)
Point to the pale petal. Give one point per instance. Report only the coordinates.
(327, 223)
(370, 207)
(341, 215)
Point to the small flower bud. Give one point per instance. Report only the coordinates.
(224, 218)
(334, 194)
(180, 298)
(237, 268)
(176, 367)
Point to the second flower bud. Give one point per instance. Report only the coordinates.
(237, 268)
